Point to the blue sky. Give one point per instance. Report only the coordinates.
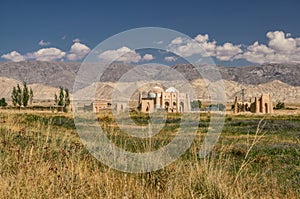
(57, 24)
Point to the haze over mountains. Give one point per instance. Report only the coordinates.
(280, 80)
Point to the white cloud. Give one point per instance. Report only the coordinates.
(185, 47)
(202, 46)
(159, 42)
(148, 57)
(279, 42)
(259, 48)
(78, 51)
(77, 40)
(123, 54)
(13, 56)
(256, 53)
(44, 43)
(227, 51)
(170, 59)
(47, 54)
(177, 41)
(209, 47)
(202, 38)
(280, 49)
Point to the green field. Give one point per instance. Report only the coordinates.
(256, 156)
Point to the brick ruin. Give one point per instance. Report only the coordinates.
(262, 105)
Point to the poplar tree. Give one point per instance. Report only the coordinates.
(30, 96)
(25, 95)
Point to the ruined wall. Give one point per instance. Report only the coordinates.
(262, 105)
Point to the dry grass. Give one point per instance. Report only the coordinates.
(42, 159)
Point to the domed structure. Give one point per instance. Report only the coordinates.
(151, 95)
(172, 90)
(170, 100)
(157, 89)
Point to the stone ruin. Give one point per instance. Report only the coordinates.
(262, 105)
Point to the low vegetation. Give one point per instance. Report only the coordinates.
(3, 102)
(42, 157)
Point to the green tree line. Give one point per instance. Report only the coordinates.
(63, 99)
(21, 96)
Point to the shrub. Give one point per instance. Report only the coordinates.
(3, 102)
(279, 105)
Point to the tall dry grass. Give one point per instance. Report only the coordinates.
(43, 160)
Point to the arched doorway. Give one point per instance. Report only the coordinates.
(181, 108)
(266, 108)
(148, 107)
(167, 104)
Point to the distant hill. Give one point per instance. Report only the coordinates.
(53, 74)
(288, 73)
(41, 92)
(63, 73)
(280, 80)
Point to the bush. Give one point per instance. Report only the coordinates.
(3, 102)
(279, 105)
(219, 107)
(195, 105)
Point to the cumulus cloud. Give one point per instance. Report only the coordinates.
(202, 38)
(227, 51)
(280, 48)
(170, 59)
(159, 42)
(279, 42)
(148, 57)
(123, 54)
(202, 46)
(78, 51)
(209, 47)
(77, 40)
(44, 43)
(177, 41)
(47, 54)
(184, 47)
(256, 53)
(13, 56)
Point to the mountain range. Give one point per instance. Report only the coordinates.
(280, 80)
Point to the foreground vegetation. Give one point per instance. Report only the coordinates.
(42, 157)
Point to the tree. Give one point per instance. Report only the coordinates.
(61, 97)
(19, 96)
(3, 102)
(63, 100)
(14, 96)
(67, 99)
(25, 95)
(55, 99)
(279, 105)
(222, 107)
(30, 96)
(196, 104)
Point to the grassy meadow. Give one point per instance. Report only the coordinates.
(256, 156)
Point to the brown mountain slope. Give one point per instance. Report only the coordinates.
(57, 74)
